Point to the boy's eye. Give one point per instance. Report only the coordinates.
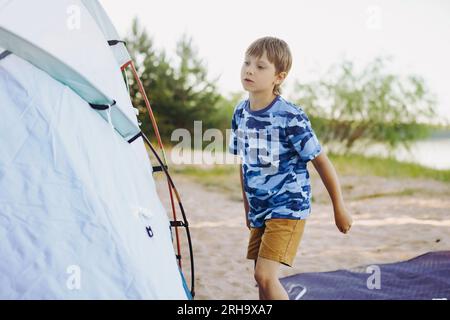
(260, 67)
(246, 63)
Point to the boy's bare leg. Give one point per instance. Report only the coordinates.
(266, 274)
(261, 293)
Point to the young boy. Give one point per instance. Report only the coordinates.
(275, 141)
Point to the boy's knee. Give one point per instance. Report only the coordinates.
(262, 278)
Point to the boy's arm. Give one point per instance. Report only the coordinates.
(244, 197)
(329, 178)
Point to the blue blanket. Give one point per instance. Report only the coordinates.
(425, 277)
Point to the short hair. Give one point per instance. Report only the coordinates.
(277, 52)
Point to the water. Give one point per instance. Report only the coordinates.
(433, 153)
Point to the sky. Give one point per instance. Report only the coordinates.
(416, 34)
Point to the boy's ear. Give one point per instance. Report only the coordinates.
(280, 77)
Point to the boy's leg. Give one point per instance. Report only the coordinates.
(279, 244)
(261, 293)
(266, 274)
(253, 249)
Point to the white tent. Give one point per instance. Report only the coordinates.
(77, 200)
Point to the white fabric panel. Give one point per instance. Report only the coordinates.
(61, 38)
(74, 194)
(108, 29)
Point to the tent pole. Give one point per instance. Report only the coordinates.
(163, 164)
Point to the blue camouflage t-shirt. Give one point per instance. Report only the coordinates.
(275, 144)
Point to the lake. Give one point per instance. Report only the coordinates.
(433, 153)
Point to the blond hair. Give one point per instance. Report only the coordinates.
(277, 52)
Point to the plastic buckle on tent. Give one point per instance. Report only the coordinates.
(159, 168)
(114, 42)
(178, 224)
(135, 137)
(102, 106)
(4, 54)
(149, 231)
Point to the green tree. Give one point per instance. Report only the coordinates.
(179, 94)
(155, 72)
(221, 118)
(369, 106)
(195, 97)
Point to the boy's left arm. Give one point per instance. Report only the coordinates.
(329, 178)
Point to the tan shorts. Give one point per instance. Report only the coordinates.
(277, 241)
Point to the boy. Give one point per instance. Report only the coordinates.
(275, 141)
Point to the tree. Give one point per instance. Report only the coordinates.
(179, 94)
(371, 106)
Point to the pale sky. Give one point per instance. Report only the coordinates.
(319, 33)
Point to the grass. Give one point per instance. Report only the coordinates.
(391, 168)
(405, 192)
(221, 178)
(225, 178)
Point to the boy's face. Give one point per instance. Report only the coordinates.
(259, 74)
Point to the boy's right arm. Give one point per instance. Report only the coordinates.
(329, 177)
(244, 197)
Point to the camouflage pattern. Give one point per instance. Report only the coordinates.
(275, 144)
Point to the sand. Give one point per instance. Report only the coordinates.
(394, 220)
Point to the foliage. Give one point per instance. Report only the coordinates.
(369, 106)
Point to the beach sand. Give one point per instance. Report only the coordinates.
(394, 220)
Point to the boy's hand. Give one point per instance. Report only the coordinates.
(343, 219)
(248, 224)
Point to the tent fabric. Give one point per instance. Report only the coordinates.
(425, 277)
(73, 193)
(73, 52)
(76, 199)
(109, 31)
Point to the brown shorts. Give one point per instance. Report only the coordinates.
(278, 240)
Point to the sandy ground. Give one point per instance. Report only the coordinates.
(394, 220)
